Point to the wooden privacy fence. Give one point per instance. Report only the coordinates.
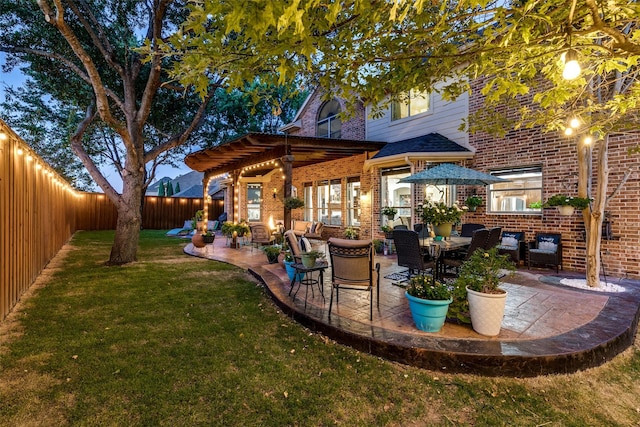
(159, 213)
(37, 216)
(39, 212)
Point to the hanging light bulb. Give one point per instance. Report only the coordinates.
(574, 123)
(571, 65)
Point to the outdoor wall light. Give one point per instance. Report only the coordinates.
(275, 193)
(571, 65)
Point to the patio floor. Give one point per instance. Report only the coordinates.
(547, 328)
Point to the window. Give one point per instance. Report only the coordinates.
(329, 210)
(329, 125)
(522, 194)
(410, 104)
(396, 194)
(353, 201)
(308, 201)
(254, 202)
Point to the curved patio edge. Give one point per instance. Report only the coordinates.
(612, 331)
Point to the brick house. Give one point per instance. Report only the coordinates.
(350, 188)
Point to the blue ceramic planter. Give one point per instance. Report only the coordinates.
(291, 271)
(428, 315)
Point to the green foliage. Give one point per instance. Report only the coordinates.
(378, 245)
(161, 190)
(473, 201)
(483, 270)
(272, 250)
(389, 212)
(386, 228)
(228, 227)
(350, 233)
(437, 213)
(563, 200)
(426, 287)
(293, 203)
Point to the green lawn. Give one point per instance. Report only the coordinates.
(174, 340)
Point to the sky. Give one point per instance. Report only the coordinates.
(16, 78)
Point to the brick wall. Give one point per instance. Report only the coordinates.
(353, 127)
(558, 157)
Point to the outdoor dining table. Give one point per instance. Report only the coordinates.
(446, 245)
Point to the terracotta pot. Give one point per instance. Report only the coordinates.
(197, 240)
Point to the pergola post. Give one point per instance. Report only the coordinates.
(287, 168)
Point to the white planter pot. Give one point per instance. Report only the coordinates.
(566, 210)
(487, 311)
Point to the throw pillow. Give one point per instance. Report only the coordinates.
(313, 228)
(305, 245)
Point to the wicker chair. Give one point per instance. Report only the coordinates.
(494, 237)
(412, 255)
(512, 244)
(261, 236)
(546, 249)
(478, 241)
(352, 268)
(468, 229)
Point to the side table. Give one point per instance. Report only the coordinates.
(308, 280)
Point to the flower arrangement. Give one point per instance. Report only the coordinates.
(293, 203)
(350, 233)
(426, 287)
(389, 212)
(438, 213)
(563, 200)
(473, 202)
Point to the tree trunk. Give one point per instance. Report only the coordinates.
(593, 217)
(129, 205)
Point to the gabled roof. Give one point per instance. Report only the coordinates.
(430, 147)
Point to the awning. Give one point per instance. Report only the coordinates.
(254, 148)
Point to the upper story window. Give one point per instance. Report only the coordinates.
(522, 194)
(410, 104)
(329, 124)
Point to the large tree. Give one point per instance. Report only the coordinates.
(88, 56)
(375, 50)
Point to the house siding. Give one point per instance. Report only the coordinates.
(444, 117)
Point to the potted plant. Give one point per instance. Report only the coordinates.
(473, 202)
(288, 265)
(440, 216)
(196, 221)
(272, 252)
(566, 205)
(350, 233)
(208, 237)
(378, 245)
(389, 212)
(388, 231)
(429, 302)
(480, 276)
(293, 203)
(309, 258)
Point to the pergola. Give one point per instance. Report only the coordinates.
(258, 151)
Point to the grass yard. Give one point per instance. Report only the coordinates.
(173, 340)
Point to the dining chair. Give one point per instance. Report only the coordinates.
(411, 255)
(352, 269)
(494, 237)
(512, 244)
(478, 241)
(467, 229)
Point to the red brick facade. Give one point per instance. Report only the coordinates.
(555, 154)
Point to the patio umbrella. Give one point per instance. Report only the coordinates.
(450, 174)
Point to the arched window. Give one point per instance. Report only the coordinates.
(329, 125)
